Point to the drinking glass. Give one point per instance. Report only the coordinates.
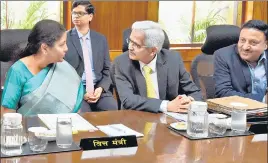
(197, 121)
(239, 119)
(36, 143)
(217, 125)
(64, 137)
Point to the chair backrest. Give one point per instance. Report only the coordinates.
(126, 34)
(202, 73)
(12, 42)
(112, 73)
(202, 68)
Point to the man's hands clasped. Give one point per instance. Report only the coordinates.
(180, 104)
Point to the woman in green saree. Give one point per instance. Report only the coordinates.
(41, 82)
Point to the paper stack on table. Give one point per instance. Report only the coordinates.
(178, 116)
(78, 122)
(224, 105)
(118, 130)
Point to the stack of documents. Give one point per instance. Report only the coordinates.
(178, 116)
(78, 122)
(118, 130)
(225, 105)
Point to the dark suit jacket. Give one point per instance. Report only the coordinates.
(232, 75)
(100, 52)
(172, 81)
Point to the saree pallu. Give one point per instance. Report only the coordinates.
(57, 94)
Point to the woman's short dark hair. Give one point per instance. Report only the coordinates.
(45, 31)
(88, 6)
(258, 25)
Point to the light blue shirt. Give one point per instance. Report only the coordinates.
(258, 76)
(88, 42)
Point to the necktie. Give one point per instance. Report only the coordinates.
(149, 83)
(88, 69)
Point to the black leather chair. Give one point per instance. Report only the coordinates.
(12, 42)
(202, 68)
(126, 35)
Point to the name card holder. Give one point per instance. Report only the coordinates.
(108, 142)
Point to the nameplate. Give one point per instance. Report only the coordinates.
(108, 142)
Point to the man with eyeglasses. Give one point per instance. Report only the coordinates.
(150, 78)
(88, 53)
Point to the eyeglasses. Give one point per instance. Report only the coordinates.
(79, 14)
(134, 44)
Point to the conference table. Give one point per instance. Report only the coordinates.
(160, 145)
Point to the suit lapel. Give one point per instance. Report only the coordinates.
(161, 76)
(76, 42)
(245, 70)
(140, 80)
(94, 46)
(265, 66)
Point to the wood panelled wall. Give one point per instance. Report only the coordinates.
(113, 17)
(260, 10)
(256, 10)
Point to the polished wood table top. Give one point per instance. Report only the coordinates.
(159, 145)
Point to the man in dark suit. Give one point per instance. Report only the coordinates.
(241, 69)
(96, 46)
(150, 78)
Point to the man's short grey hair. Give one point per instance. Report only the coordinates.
(154, 35)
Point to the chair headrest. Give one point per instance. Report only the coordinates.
(126, 34)
(219, 36)
(12, 41)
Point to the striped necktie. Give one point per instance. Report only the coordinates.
(88, 69)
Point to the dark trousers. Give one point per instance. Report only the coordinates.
(105, 103)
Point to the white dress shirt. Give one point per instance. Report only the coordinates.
(153, 75)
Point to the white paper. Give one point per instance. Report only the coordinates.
(118, 130)
(260, 137)
(109, 152)
(178, 116)
(78, 122)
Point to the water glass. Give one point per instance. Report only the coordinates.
(239, 120)
(64, 137)
(217, 125)
(36, 143)
(197, 120)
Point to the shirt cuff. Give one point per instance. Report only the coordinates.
(163, 106)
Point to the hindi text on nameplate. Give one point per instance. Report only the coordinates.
(108, 142)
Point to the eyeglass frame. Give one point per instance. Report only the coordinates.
(134, 44)
(79, 14)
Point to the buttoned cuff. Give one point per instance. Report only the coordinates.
(163, 106)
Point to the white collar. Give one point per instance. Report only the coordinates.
(152, 64)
